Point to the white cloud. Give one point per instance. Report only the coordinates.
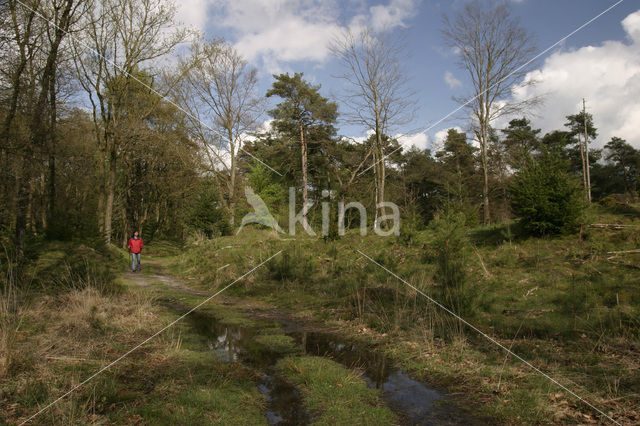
(269, 32)
(193, 13)
(608, 76)
(451, 81)
(392, 15)
(361, 139)
(419, 140)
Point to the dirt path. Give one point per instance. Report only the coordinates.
(154, 272)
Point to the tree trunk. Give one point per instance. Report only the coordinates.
(303, 149)
(584, 168)
(16, 77)
(52, 150)
(232, 182)
(485, 174)
(22, 203)
(585, 157)
(380, 174)
(110, 194)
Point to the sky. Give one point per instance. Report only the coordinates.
(600, 62)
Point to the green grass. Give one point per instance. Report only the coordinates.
(566, 304)
(193, 387)
(561, 302)
(334, 394)
(278, 343)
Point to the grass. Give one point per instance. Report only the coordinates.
(192, 387)
(65, 330)
(563, 303)
(278, 343)
(569, 305)
(334, 394)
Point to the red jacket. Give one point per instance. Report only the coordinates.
(135, 245)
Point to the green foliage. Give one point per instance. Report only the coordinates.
(206, 214)
(458, 175)
(624, 162)
(546, 198)
(265, 184)
(302, 105)
(520, 142)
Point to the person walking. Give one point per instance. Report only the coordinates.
(135, 245)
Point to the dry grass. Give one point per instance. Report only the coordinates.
(11, 315)
(64, 339)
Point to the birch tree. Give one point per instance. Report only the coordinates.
(377, 96)
(220, 96)
(495, 51)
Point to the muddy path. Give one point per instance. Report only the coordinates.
(413, 401)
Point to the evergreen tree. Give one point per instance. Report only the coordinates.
(304, 115)
(546, 198)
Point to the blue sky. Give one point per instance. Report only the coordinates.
(600, 62)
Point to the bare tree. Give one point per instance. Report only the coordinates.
(219, 94)
(377, 94)
(121, 37)
(494, 50)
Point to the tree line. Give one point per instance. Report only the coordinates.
(104, 131)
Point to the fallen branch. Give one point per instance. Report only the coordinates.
(526, 311)
(624, 251)
(67, 358)
(612, 226)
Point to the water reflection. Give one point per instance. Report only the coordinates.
(412, 400)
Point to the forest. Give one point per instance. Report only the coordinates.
(115, 118)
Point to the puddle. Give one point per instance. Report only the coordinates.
(414, 401)
(284, 401)
(236, 344)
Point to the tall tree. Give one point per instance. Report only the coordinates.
(39, 31)
(520, 142)
(302, 112)
(581, 127)
(494, 50)
(626, 160)
(457, 173)
(220, 95)
(120, 38)
(377, 94)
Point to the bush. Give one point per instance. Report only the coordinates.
(290, 265)
(546, 198)
(450, 247)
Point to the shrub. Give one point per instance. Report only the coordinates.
(546, 198)
(290, 265)
(450, 247)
